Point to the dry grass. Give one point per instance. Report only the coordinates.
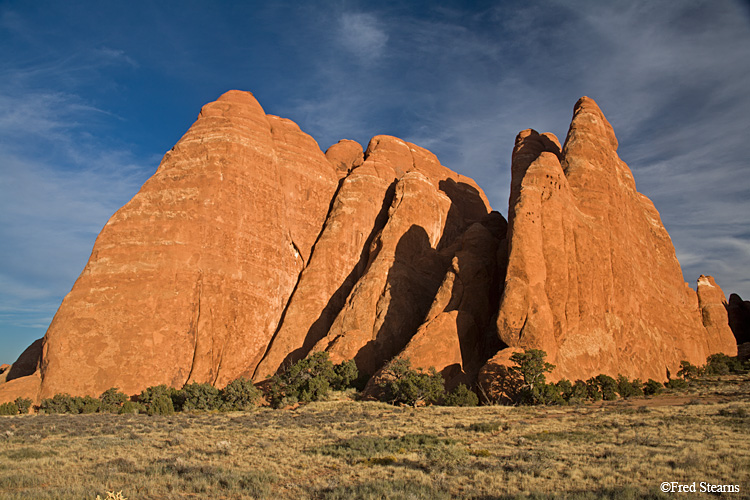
(345, 449)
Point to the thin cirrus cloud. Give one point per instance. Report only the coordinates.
(460, 81)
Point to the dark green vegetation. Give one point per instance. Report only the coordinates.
(19, 406)
(313, 379)
(340, 448)
(525, 383)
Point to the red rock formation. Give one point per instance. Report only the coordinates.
(432, 206)
(188, 280)
(713, 306)
(249, 248)
(739, 318)
(339, 260)
(592, 275)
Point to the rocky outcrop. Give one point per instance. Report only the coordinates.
(738, 311)
(431, 207)
(250, 248)
(592, 275)
(188, 281)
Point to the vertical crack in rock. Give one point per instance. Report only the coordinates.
(194, 324)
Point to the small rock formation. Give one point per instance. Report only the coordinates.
(592, 275)
(739, 318)
(250, 248)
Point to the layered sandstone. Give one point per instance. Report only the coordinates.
(592, 275)
(250, 248)
(189, 279)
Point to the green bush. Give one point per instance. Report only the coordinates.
(23, 405)
(580, 392)
(8, 409)
(688, 370)
(196, 396)
(677, 384)
(461, 396)
(627, 389)
(412, 387)
(306, 380)
(530, 368)
(88, 404)
(593, 391)
(721, 364)
(652, 387)
(346, 375)
(565, 389)
(60, 403)
(310, 379)
(112, 400)
(158, 400)
(239, 394)
(607, 386)
(132, 408)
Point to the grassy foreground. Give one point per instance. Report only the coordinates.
(343, 449)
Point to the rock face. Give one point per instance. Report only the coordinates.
(592, 276)
(739, 318)
(188, 281)
(249, 248)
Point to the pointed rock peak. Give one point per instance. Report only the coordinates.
(588, 120)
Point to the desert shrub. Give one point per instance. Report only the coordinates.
(579, 392)
(677, 384)
(530, 368)
(403, 384)
(196, 396)
(627, 388)
(652, 387)
(23, 405)
(112, 400)
(461, 396)
(485, 427)
(593, 390)
(607, 386)
(60, 403)
(132, 408)
(239, 394)
(347, 375)
(688, 370)
(8, 409)
(158, 400)
(310, 379)
(721, 364)
(88, 404)
(565, 389)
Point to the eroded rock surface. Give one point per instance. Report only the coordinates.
(249, 248)
(592, 275)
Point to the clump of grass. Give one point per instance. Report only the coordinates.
(485, 427)
(387, 489)
(363, 447)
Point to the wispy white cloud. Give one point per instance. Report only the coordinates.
(363, 35)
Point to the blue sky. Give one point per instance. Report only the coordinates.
(92, 94)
